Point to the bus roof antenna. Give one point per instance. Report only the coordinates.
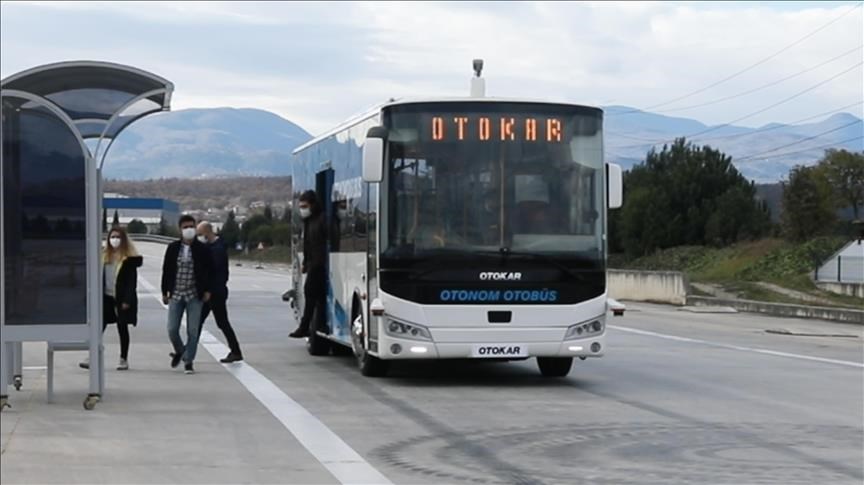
(478, 84)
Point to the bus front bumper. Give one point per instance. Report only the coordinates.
(492, 347)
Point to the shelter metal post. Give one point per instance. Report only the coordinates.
(94, 280)
(5, 349)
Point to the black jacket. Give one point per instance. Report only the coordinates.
(219, 271)
(125, 291)
(201, 260)
(315, 243)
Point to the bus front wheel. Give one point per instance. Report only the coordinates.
(370, 366)
(554, 366)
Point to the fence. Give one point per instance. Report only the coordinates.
(841, 269)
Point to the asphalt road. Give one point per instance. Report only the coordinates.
(679, 397)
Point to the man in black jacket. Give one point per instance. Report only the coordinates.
(218, 303)
(185, 288)
(314, 265)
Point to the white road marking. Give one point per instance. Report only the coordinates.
(326, 446)
(34, 367)
(738, 347)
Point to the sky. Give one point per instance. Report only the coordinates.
(317, 64)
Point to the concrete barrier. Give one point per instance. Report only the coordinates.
(851, 289)
(846, 315)
(650, 286)
(153, 238)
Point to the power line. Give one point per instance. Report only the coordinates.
(746, 69)
(755, 155)
(827, 145)
(777, 127)
(754, 113)
(751, 132)
(751, 91)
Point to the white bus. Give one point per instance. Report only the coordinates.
(462, 228)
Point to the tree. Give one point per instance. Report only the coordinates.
(136, 227)
(167, 230)
(808, 210)
(230, 231)
(844, 171)
(735, 219)
(262, 234)
(104, 219)
(686, 195)
(281, 234)
(268, 213)
(251, 225)
(116, 221)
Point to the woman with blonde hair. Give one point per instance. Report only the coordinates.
(120, 261)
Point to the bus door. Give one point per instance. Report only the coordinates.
(324, 192)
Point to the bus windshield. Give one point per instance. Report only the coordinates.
(472, 178)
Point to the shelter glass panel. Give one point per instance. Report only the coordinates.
(44, 218)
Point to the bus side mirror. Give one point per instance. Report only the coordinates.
(373, 155)
(615, 185)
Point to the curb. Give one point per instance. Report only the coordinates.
(843, 315)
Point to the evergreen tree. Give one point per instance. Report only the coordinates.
(844, 170)
(136, 227)
(230, 231)
(116, 221)
(686, 195)
(808, 210)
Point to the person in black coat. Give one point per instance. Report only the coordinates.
(185, 289)
(120, 263)
(314, 265)
(218, 303)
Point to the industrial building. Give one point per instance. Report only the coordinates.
(150, 211)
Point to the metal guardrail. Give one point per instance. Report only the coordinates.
(152, 238)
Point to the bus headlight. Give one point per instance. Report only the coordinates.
(407, 330)
(586, 329)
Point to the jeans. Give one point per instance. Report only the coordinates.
(192, 307)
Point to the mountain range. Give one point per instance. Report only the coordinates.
(221, 142)
(764, 154)
(205, 143)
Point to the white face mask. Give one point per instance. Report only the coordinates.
(202, 239)
(305, 212)
(189, 233)
(115, 242)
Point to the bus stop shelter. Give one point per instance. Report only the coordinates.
(58, 122)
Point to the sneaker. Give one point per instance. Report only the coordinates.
(232, 357)
(84, 364)
(299, 333)
(189, 369)
(123, 365)
(175, 359)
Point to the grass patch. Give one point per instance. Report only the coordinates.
(739, 266)
(751, 291)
